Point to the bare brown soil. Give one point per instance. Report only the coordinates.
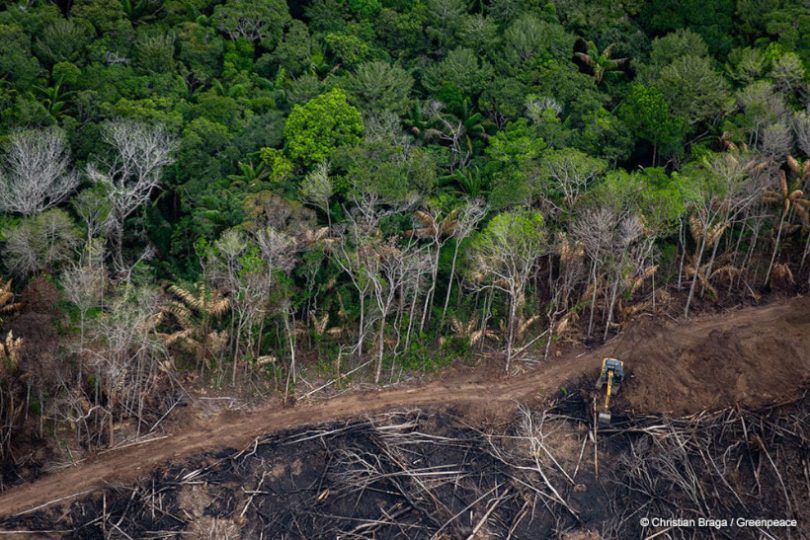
(752, 356)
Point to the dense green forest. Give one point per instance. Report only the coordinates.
(265, 194)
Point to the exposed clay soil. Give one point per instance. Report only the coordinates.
(751, 357)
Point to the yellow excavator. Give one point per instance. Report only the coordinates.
(612, 375)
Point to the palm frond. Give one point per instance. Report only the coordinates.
(265, 360)
(6, 296)
(645, 275)
(696, 228)
(728, 271)
(526, 324)
(782, 274)
(320, 324)
(586, 58)
(180, 313)
(715, 232)
(793, 165)
(10, 350)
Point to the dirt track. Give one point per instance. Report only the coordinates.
(752, 356)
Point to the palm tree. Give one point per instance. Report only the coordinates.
(459, 130)
(472, 120)
(469, 180)
(54, 99)
(9, 355)
(10, 389)
(705, 237)
(470, 330)
(792, 200)
(704, 274)
(438, 231)
(416, 122)
(250, 175)
(431, 227)
(10, 349)
(601, 63)
(141, 10)
(195, 312)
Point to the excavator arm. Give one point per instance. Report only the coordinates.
(609, 390)
(611, 376)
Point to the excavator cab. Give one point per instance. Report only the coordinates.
(611, 376)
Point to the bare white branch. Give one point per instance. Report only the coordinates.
(131, 172)
(140, 153)
(36, 174)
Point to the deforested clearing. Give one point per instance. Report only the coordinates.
(404, 268)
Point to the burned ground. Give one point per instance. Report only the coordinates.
(420, 474)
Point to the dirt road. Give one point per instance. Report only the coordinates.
(751, 356)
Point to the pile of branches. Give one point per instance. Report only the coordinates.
(413, 474)
(729, 464)
(406, 474)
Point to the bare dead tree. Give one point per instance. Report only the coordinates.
(235, 267)
(776, 141)
(131, 171)
(571, 270)
(620, 248)
(595, 230)
(628, 235)
(801, 130)
(278, 251)
(348, 240)
(386, 266)
(466, 223)
(352, 239)
(126, 355)
(438, 232)
(731, 186)
(412, 290)
(84, 284)
(505, 259)
(36, 172)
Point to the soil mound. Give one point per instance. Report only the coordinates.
(750, 357)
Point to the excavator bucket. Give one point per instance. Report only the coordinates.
(604, 418)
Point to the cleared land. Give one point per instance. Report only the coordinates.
(751, 358)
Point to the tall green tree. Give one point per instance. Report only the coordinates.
(258, 21)
(646, 113)
(314, 130)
